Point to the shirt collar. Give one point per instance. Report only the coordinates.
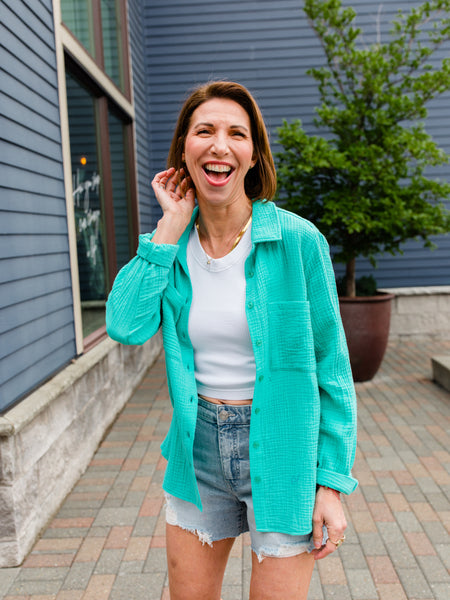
(265, 222)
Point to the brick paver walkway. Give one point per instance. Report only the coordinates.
(107, 541)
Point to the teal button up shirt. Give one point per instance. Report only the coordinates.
(303, 423)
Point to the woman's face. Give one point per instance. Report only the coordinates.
(218, 151)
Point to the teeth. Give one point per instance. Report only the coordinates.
(218, 168)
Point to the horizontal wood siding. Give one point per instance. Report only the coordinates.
(36, 314)
(268, 46)
(141, 100)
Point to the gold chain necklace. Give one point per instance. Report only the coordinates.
(236, 241)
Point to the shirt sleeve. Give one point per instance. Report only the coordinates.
(337, 432)
(133, 309)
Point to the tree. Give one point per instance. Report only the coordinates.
(364, 185)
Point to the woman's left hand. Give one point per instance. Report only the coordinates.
(328, 511)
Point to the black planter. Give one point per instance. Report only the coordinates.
(366, 321)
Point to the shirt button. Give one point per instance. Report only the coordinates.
(258, 342)
(250, 304)
(251, 274)
(257, 411)
(257, 479)
(255, 444)
(261, 378)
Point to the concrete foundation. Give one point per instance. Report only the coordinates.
(420, 312)
(423, 313)
(47, 441)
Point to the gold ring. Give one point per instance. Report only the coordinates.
(339, 542)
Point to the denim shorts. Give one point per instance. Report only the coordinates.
(222, 467)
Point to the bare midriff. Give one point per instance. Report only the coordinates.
(221, 401)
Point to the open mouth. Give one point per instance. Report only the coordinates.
(217, 173)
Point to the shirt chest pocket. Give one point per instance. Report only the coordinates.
(290, 336)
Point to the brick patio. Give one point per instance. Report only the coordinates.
(108, 541)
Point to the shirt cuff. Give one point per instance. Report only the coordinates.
(342, 483)
(158, 254)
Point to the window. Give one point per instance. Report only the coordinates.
(101, 195)
(104, 201)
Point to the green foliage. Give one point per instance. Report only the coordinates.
(364, 186)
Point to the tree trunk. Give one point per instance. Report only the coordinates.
(350, 285)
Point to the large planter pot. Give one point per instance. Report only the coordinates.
(366, 321)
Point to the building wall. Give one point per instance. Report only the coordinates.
(36, 314)
(174, 45)
(268, 46)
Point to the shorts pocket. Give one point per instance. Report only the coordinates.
(291, 337)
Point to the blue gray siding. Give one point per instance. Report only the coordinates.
(268, 46)
(141, 98)
(36, 314)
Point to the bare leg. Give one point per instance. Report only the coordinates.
(281, 578)
(195, 570)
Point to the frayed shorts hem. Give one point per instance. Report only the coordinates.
(278, 547)
(171, 519)
(283, 550)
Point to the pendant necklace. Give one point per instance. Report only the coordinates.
(236, 241)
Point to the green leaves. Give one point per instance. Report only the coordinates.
(365, 185)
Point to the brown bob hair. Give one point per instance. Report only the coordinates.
(261, 180)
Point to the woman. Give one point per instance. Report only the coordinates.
(244, 293)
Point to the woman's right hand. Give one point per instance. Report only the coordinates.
(176, 196)
(174, 192)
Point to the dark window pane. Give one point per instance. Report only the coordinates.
(120, 189)
(77, 16)
(87, 203)
(111, 41)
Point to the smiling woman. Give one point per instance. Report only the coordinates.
(258, 370)
(218, 154)
(260, 181)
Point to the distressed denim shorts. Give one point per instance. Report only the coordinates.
(222, 466)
